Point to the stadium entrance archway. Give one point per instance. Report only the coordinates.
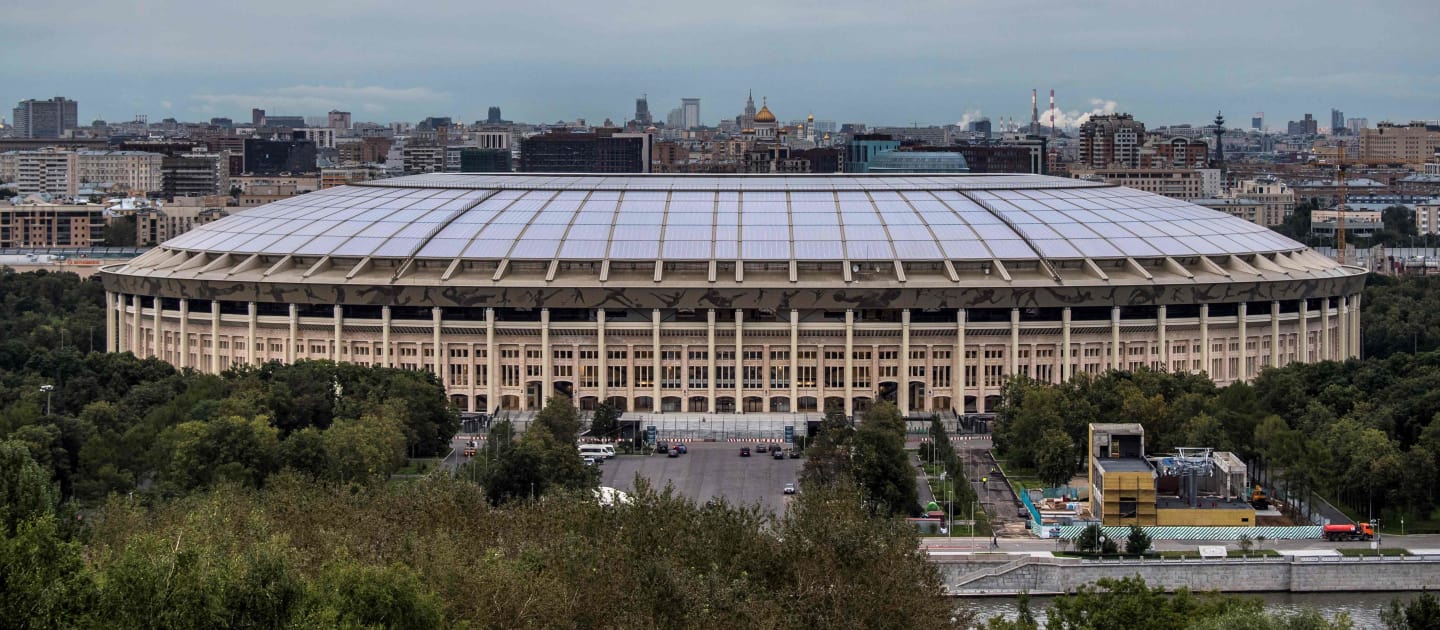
(460, 402)
(589, 403)
(565, 388)
(510, 403)
(780, 404)
(534, 394)
(808, 403)
(618, 403)
(917, 396)
(992, 402)
(644, 403)
(941, 403)
(863, 404)
(970, 405)
(754, 404)
(698, 404)
(670, 404)
(725, 404)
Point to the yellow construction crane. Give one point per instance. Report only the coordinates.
(1340, 184)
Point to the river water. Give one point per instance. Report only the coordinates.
(1364, 608)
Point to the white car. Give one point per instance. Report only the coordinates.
(789, 488)
(589, 461)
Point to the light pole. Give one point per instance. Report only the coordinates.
(48, 389)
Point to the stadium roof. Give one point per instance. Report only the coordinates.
(543, 217)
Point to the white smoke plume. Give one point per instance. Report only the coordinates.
(1074, 118)
(969, 117)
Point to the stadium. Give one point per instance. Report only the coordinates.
(736, 294)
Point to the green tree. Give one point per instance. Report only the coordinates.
(604, 424)
(827, 459)
(364, 450)
(1421, 612)
(560, 417)
(1138, 542)
(881, 466)
(26, 491)
(348, 595)
(1055, 461)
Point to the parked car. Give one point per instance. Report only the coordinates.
(778, 454)
(762, 448)
(744, 451)
(794, 454)
(589, 461)
(662, 446)
(680, 446)
(673, 452)
(789, 488)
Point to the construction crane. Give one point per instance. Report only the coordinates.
(1340, 184)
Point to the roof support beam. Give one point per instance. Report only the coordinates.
(604, 271)
(245, 265)
(950, 269)
(550, 271)
(1138, 268)
(1000, 269)
(450, 271)
(1174, 266)
(659, 270)
(1234, 262)
(900, 271)
(280, 265)
(223, 260)
(500, 270)
(361, 267)
(319, 266)
(1211, 267)
(1094, 270)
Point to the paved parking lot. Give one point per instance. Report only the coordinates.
(711, 470)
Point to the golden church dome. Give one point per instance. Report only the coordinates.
(764, 114)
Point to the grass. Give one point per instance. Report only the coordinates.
(418, 465)
(1383, 551)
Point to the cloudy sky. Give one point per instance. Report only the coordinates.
(916, 61)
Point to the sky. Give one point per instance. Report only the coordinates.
(881, 63)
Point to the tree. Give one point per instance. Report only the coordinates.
(1090, 539)
(881, 466)
(827, 460)
(26, 491)
(364, 450)
(535, 465)
(1138, 542)
(560, 417)
(604, 424)
(120, 232)
(1055, 461)
(1418, 613)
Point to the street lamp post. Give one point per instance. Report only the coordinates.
(48, 389)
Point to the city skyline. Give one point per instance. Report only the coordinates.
(931, 63)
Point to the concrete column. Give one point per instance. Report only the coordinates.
(1275, 333)
(1160, 315)
(547, 359)
(294, 336)
(1341, 332)
(184, 334)
(339, 317)
(1205, 340)
(110, 345)
(602, 357)
(1115, 338)
(1325, 345)
(1241, 314)
(137, 342)
(252, 316)
(1355, 349)
(655, 361)
(214, 336)
(1065, 358)
(739, 361)
(122, 334)
(710, 360)
(492, 363)
(795, 362)
(389, 358)
(849, 361)
(438, 364)
(957, 361)
(157, 348)
(903, 396)
(1013, 356)
(1304, 330)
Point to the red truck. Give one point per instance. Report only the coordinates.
(1354, 531)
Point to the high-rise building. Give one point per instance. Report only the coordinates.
(45, 171)
(423, 159)
(287, 122)
(195, 175)
(493, 116)
(257, 117)
(1337, 122)
(1257, 122)
(691, 107)
(861, 148)
(1356, 124)
(586, 153)
(475, 160)
(642, 110)
(273, 157)
(1111, 140)
(339, 119)
(222, 122)
(675, 119)
(1306, 126)
(434, 123)
(323, 137)
(1389, 143)
(981, 128)
(45, 119)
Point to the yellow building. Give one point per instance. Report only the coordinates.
(1125, 486)
(1122, 481)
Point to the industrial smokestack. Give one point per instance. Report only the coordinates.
(1034, 112)
(1052, 111)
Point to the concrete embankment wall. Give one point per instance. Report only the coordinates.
(1016, 574)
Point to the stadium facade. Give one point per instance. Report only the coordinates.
(736, 294)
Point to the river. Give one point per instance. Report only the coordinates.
(1364, 608)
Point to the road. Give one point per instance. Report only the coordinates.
(1416, 543)
(996, 497)
(711, 470)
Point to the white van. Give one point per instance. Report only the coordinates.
(597, 451)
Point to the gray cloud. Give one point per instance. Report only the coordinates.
(845, 60)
